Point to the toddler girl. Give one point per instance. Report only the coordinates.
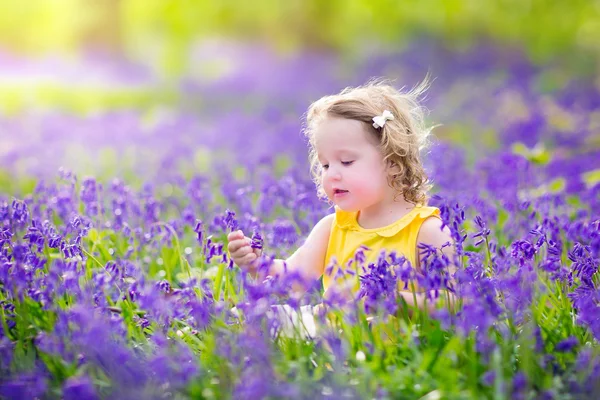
(365, 145)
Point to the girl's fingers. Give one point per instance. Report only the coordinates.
(235, 235)
(240, 250)
(235, 245)
(247, 259)
(239, 253)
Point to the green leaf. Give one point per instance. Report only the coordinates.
(93, 235)
(591, 178)
(537, 155)
(218, 281)
(558, 185)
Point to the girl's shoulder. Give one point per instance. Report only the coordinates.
(348, 220)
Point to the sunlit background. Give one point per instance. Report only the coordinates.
(87, 83)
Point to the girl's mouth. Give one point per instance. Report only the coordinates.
(339, 192)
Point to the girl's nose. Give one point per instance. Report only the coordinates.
(338, 176)
(334, 174)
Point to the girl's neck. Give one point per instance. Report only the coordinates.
(380, 215)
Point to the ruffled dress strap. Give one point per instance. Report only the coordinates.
(348, 220)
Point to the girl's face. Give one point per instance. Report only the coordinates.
(354, 175)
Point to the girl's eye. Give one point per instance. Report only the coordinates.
(346, 163)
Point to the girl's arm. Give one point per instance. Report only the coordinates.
(431, 233)
(308, 259)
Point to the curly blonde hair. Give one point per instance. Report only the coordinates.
(401, 140)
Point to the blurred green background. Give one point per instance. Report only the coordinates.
(167, 40)
(160, 57)
(162, 32)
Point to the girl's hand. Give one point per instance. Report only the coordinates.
(240, 251)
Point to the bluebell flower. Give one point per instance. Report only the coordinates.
(76, 388)
(483, 232)
(231, 221)
(24, 386)
(257, 240)
(379, 283)
(567, 344)
(519, 385)
(199, 230)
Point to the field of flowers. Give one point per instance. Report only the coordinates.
(114, 276)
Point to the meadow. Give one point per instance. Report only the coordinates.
(115, 204)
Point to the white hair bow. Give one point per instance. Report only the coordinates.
(379, 121)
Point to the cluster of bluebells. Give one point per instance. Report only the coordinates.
(124, 288)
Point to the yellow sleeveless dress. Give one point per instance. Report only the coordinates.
(347, 235)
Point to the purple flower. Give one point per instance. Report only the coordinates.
(377, 284)
(34, 235)
(6, 354)
(523, 250)
(20, 212)
(89, 196)
(567, 344)
(333, 265)
(284, 233)
(231, 221)
(257, 240)
(24, 386)
(483, 233)
(202, 312)
(76, 388)
(199, 230)
(519, 384)
(488, 378)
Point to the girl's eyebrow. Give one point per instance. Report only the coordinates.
(346, 151)
(342, 151)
